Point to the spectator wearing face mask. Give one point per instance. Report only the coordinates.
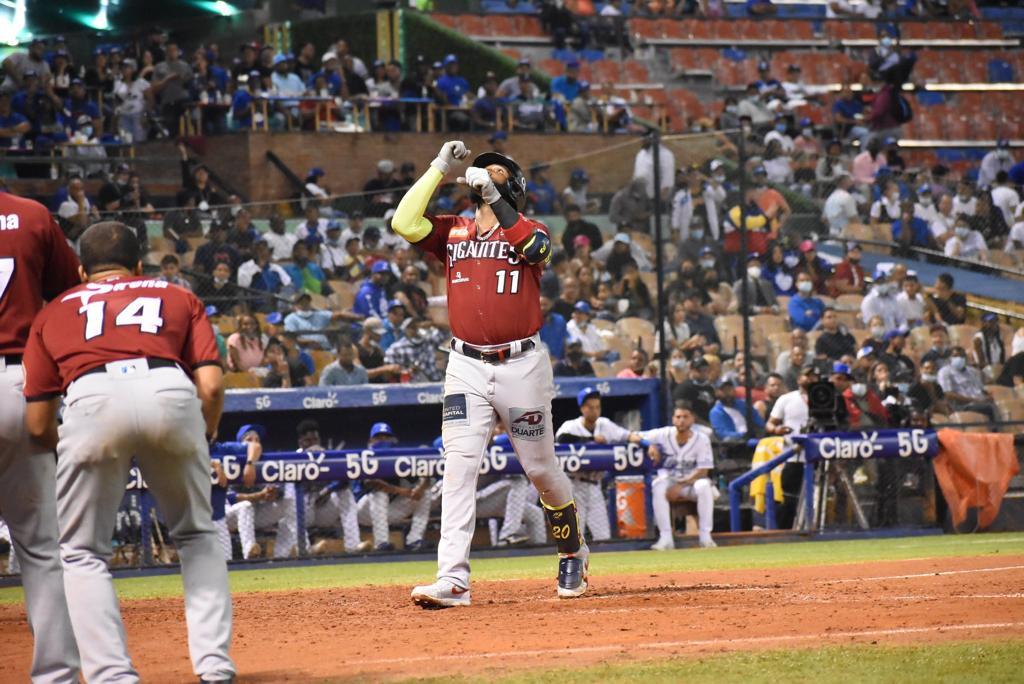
(805, 310)
(911, 230)
(924, 207)
(963, 385)
(575, 364)
(760, 293)
(699, 246)
(305, 318)
(966, 243)
(881, 301)
(863, 405)
(911, 301)
(886, 209)
(964, 202)
(939, 352)
(993, 162)
(926, 393)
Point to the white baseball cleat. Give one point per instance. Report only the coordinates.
(440, 594)
(664, 544)
(706, 542)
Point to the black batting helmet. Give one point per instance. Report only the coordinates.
(513, 191)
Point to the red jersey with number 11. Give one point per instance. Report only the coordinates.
(112, 320)
(493, 294)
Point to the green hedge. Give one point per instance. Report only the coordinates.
(423, 36)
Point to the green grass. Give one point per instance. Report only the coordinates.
(534, 567)
(952, 662)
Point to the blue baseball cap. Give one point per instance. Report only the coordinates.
(841, 368)
(381, 429)
(706, 250)
(763, 65)
(866, 350)
(211, 310)
(275, 318)
(498, 135)
(450, 58)
(880, 274)
(380, 267)
(1002, 143)
(572, 64)
(438, 443)
(586, 393)
(805, 122)
(503, 441)
(316, 172)
(760, 171)
(579, 174)
(260, 431)
(395, 304)
(582, 306)
(583, 85)
(924, 189)
(279, 59)
(895, 333)
(989, 316)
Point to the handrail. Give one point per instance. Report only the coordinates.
(736, 486)
(971, 263)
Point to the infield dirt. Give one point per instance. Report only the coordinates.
(375, 633)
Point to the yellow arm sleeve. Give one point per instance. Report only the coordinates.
(408, 220)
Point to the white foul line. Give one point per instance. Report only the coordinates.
(695, 642)
(925, 574)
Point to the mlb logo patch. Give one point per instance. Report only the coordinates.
(527, 423)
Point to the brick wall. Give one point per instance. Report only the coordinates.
(350, 159)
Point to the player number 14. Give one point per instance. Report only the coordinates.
(141, 311)
(512, 277)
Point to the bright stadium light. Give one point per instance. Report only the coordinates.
(100, 22)
(224, 9)
(12, 28)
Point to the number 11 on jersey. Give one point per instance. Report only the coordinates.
(512, 277)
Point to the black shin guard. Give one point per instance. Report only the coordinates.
(564, 523)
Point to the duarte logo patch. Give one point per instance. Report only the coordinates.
(529, 423)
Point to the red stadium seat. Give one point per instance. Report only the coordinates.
(552, 67)
(674, 28)
(503, 25)
(605, 71)
(530, 26)
(475, 25)
(449, 20)
(636, 72)
(646, 28)
(800, 30)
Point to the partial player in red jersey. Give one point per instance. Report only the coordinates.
(36, 264)
(498, 371)
(137, 363)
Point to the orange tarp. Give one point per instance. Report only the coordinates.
(974, 471)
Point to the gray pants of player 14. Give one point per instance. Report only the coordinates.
(155, 416)
(28, 506)
(519, 392)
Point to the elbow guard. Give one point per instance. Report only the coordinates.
(536, 249)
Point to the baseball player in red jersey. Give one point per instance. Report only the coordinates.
(36, 264)
(137, 363)
(498, 367)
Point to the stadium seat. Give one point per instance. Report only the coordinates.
(449, 20)
(1001, 394)
(620, 344)
(530, 26)
(970, 417)
(321, 358)
(503, 25)
(730, 332)
(851, 319)
(962, 335)
(475, 25)
(632, 327)
(849, 302)
(603, 324)
(646, 28)
(240, 381)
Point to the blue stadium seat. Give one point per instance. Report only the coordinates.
(1000, 71)
(929, 99)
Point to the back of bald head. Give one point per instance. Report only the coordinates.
(108, 245)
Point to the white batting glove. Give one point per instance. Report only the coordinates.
(480, 180)
(451, 151)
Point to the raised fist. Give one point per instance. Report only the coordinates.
(451, 152)
(480, 180)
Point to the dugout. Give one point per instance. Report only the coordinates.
(345, 414)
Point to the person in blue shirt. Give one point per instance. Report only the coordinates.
(729, 414)
(567, 86)
(306, 274)
(847, 114)
(392, 324)
(78, 104)
(910, 230)
(554, 332)
(451, 83)
(805, 310)
(372, 298)
(12, 124)
(242, 101)
(542, 193)
(305, 318)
